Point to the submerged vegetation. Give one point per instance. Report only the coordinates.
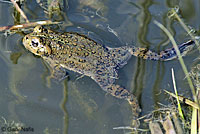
(194, 107)
(177, 118)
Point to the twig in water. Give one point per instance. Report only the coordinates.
(31, 24)
(3, 1)
(129, 128)
(186, 101)
(20, 11)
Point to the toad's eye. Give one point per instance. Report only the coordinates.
(34, 43)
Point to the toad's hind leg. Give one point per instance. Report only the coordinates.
(122, 93)
(106, 83)
(168, 54)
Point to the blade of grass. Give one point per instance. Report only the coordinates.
(194, 121)
(177, 98)
(180, 60)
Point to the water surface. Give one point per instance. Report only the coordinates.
(78, 105)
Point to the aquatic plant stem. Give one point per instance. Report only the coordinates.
(20, 11)
(177, 98)
(194, 121)
(180, 60)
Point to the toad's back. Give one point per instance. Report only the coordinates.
(77, 52)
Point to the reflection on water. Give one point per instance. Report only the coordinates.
(79, 105)
(86, 104)
(62, 105)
